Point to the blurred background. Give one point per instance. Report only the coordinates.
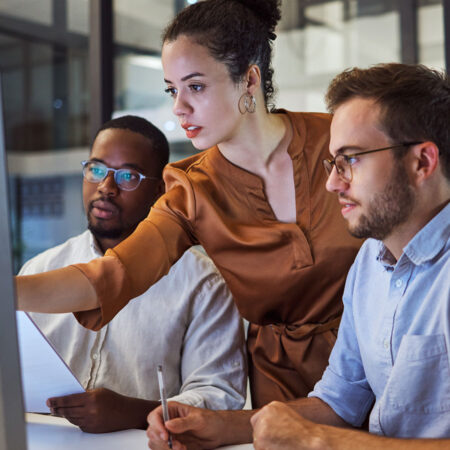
(69, 65)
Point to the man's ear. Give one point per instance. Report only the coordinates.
(425, 160)
(253, 79)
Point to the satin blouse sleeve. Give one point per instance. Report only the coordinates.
(130, 268)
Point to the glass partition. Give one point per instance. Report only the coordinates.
(430, 34)
(45, 81)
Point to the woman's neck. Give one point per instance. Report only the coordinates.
(257, 142)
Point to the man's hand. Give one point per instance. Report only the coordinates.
(196, 428)
(101, 410)
(191, 427)
(278, 427)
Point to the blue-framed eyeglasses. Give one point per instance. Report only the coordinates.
(126, 179)
(343, 162)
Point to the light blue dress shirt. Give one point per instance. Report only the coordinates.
(394, 339)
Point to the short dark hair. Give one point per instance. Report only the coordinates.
(237, 33)
(414, 102)
(159, 144)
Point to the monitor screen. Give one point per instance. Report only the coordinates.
(12, 419)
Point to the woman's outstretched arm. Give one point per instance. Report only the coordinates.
(58, 291)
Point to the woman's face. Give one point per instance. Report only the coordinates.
(205, 99)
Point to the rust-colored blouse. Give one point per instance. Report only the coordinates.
(279, 273)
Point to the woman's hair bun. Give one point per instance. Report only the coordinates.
(268, 11)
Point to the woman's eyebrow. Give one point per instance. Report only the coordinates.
(187, 77)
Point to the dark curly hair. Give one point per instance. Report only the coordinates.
(414, 102)
(236, 32)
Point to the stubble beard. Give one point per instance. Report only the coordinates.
(101, 232)
(120, 231)
(103, 229)
(387, 209)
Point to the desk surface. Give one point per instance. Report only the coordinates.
(48, 433)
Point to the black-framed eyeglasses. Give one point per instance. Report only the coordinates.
(343, 162)
(126, 179)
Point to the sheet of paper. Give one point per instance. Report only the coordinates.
(44, 373)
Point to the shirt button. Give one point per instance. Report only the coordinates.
(386, 344)
(94, 356)
(398, 283)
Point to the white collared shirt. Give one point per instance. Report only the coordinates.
(187, 322)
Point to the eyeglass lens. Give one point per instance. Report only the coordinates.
(127, 179)
(343, 167)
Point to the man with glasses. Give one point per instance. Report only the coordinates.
(390, 169)
(187, 321)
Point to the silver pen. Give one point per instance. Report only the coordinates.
(162, 393)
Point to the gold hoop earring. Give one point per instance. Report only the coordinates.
(249, 103)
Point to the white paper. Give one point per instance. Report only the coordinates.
(44, 373)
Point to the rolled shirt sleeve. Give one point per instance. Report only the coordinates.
(213, 366)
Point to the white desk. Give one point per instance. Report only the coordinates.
(55, 433)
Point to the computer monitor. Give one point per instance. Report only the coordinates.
(12, 418)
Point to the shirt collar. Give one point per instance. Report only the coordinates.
(430, 240)
(426, 244)
(93, 244)
(385, 256)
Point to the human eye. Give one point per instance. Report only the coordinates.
(352, 159)
(171, 91)
(129, 175)
(196, 87)
(97, 170)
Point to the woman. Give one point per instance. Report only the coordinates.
(255, 200)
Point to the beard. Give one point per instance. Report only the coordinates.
(101, 232)
(118, 230)
(387, 209)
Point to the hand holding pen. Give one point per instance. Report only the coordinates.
(162, 393)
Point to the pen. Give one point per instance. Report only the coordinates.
(162, 393)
